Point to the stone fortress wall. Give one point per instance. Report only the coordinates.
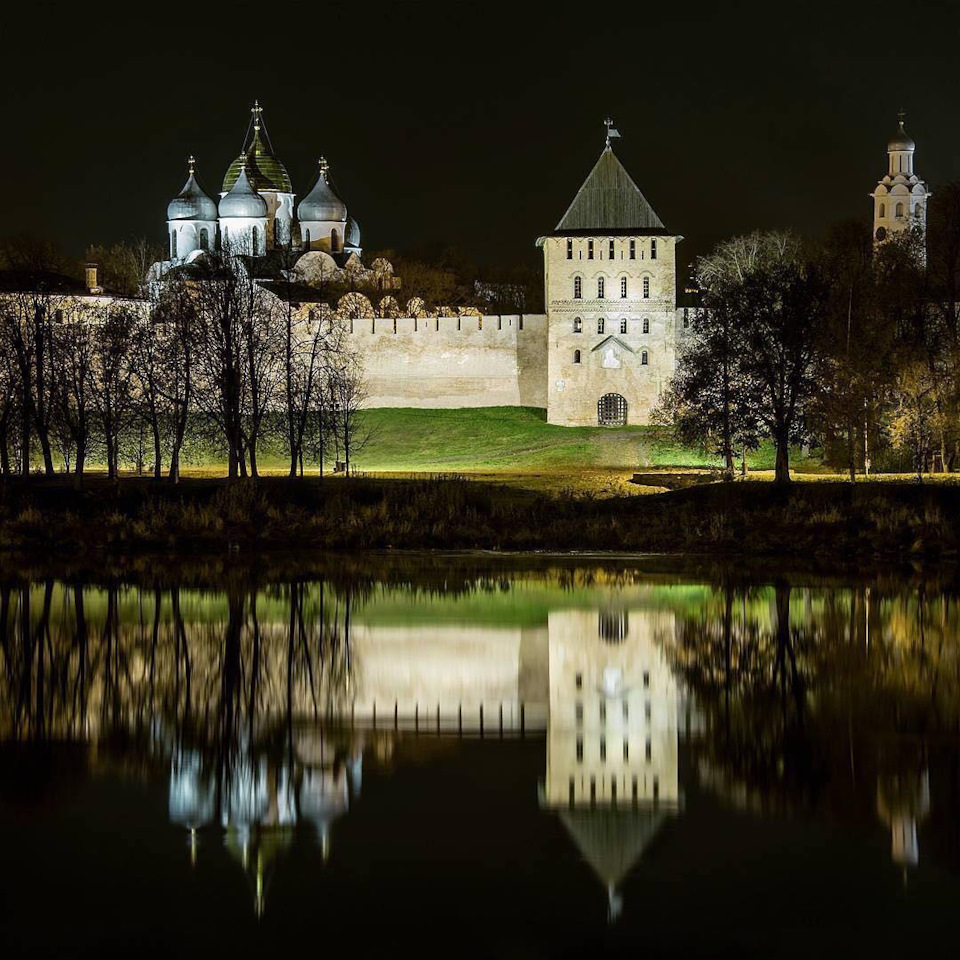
(449, 362)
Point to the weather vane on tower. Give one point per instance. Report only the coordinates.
(612, 131)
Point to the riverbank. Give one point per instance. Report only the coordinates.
(836, 521)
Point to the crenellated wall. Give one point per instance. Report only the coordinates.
(448, 362)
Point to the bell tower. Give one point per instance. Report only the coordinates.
(900, 198)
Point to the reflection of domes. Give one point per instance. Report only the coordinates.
(321, 203)
(191, 203)
(901, 140)
(242, 200)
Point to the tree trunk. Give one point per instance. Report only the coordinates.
(782, 473)
(157, 465)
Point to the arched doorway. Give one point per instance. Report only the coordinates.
(612, 410)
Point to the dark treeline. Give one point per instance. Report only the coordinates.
(847, 345)
(208, 362)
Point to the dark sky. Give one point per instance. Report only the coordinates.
(474, 124)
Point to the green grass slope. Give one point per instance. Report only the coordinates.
(510, 439)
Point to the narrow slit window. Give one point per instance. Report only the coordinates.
(569, 249)
(644, 359)
(646, 288)
(653, 249)
(612, 253)
(633, 249)
(589, 249)
(576, 356)
(601, 324)
(623, 287)
(601, 288)
(646, 324)
(578, 328)
(577, 288)
(623, 326)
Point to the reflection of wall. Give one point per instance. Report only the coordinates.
(454, 667)
(613, 711)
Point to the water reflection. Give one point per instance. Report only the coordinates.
(263, 705)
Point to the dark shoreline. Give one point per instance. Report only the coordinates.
(812, 526)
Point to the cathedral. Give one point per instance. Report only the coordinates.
(603, 352)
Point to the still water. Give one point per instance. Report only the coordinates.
(466, 758)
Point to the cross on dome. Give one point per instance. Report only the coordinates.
(191, 163)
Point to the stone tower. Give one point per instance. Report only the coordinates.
(610, 290)
(900, 199)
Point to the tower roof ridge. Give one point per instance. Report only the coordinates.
(609, 199)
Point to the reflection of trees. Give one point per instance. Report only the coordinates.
(78, 662)
(827, 695)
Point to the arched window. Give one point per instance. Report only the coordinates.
(306, 238)
(601, 288)
(578, 325)
(204, 239)
(335, 240)
(173, 245)
(623, 325)
(577, 288)
(255, 234)
(600, 325)
(646, 324)
(653, 249)
(569, 249)
(623, 287)
(612, 410)
(899, 209)
(589, 249)
(883, 209)
(576, 356)
(633, 249)
(646, 288)
(644, 359)
(612, 253)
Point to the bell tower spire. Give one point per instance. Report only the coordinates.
(900, 198)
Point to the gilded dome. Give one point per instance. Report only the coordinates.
(242, 200)
(264, 170)
(191, 203)
(321, 203)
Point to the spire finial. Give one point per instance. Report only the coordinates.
(191, 163)
(324, 167)
(612, 131)
(256, 110)
(901, 116)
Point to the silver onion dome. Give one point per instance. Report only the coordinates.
(242, 200)
(352, 233)
(901, 140)
(191, 203)
(321, 203)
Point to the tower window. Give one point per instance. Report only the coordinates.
(626, 751)
(646, 288)
(899, 209)
(589, 249)
(601, 288)
(256, 241)
(612, 254)
(633, 249)
(306, 238)
(600, 325)
(569, 249)
(623, 287)
(577, 325)
(603, 749)
(644, 358)
(646, 324)
(576, 356)
(577, 288)
(173, 245)
(204, 239)
(653, 249)
(883, 209)
(623, 325)
(579, 749)
(335, 240)
(648, 750)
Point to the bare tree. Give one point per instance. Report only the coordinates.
(112, 380)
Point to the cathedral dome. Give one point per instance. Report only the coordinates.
(242, 200)
(191, 203)
(264, 170)
(352, 233)
(321, 203)
(901, 140)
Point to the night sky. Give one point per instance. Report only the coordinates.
(474, 124)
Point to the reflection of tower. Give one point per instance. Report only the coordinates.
(903, 801)
(612, 741)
